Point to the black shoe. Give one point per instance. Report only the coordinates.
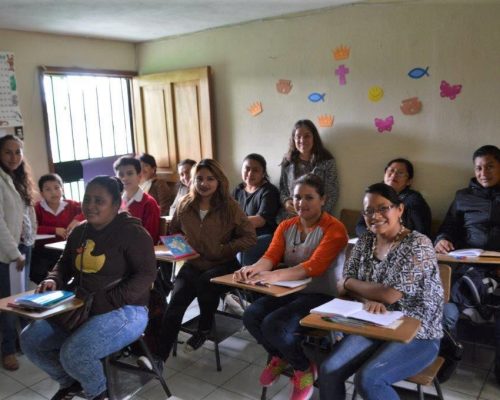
(69, 392)
(148, 364)
(195, 341)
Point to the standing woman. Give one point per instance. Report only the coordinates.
(216, 227)
(390, 268)
(17, 232)
(260, 200)
(111, 256)
(153, 185)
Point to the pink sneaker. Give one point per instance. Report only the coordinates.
(273, 371)
(303, 383)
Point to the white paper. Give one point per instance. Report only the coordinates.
(466, 253)
(292, 284)
(17, 281)
(40, 236)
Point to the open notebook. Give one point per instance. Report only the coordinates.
(354, 310)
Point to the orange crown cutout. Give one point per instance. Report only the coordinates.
(325, 121)
(341, 53)
(255, 108)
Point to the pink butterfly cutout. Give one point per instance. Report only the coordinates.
(384, 124)
(450, 91)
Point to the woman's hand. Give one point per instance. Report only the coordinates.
(444, 246)
(290, 209)
(20, 262)
(62, 233)
(47, 284)
(264, 278)
(375, 307)
(244, 274)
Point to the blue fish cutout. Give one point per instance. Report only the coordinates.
(417, 73)
(315, 97)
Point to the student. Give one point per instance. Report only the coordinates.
(55, 216)
(390, 268)
(153, 185)
(116, 257)
(398, 174)
(17, 233)
(473, 221)
(184, 171)
(260, 200)
(309, 245)
(139, 204)
(306, 154)
(216, 227)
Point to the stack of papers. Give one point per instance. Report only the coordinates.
(42, 301)
(354, 310)
(292, 284)
(474, 253)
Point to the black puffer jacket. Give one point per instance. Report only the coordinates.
(473, 219)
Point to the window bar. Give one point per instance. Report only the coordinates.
(71, 118)
(99, 117)
(126, 111)
(55, 118)
(112, 116)
(85, 123)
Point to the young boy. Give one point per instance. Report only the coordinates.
(134, 200)
(55, 216)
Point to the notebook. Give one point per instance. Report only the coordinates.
(474, 253)
(354, 310)
(42, 301)
(177, 246)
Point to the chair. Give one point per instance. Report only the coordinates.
(124, 379)
(429, 375)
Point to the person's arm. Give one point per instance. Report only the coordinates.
(451, 230)
(141, 272)
(8, 245)
(328, 172)
(248, 272)
(63, 270)
(257, 221)
(244, 235)
(269, 206)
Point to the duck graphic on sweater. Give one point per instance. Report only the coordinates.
(91, 264)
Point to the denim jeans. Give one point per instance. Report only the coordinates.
(254, 253)
(189, 284)
(76, 356)
(451, 314)
(377, 365)
(274, 322)
(8, 321)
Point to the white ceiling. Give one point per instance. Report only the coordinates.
(142, 20)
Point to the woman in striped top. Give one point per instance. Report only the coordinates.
(308, 245)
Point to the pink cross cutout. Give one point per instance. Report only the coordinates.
(341, 72)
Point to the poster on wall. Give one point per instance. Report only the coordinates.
(10, 113)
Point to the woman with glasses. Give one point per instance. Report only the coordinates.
(390, 268)
(398, 174)
(306, 154)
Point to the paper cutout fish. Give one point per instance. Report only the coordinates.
(417, 73)
(384, 124)
(450, 91)
(315, 97)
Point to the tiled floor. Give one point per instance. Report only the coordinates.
(193, 376)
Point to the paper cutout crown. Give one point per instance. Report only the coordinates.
(255, 108)
(342, 53)
(325, 121)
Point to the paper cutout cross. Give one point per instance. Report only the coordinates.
(341, 72)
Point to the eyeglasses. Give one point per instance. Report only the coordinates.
(381, 210)
(398, 173)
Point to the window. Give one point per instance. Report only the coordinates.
(87, 116)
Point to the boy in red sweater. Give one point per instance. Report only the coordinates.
(55, 216)
(139, 204)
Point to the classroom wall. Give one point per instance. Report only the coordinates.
(459, 43)
(32, 50)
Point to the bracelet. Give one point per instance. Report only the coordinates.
(345, 281)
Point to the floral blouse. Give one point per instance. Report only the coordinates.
(411, 268)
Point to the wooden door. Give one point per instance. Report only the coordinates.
(172, 116)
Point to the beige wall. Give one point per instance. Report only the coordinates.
(32, 50)
(460, 43)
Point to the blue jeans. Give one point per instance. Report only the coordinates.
(76, 356)
(8, 320)
(274, 322)
(377, 365)
(254, 253)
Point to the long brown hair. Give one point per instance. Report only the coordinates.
(319, 152)
(220, 198)
(21, 176)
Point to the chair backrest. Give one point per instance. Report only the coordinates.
(350, 218)
(445, 274)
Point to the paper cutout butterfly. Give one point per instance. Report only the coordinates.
(450, 91)
(384, 124)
